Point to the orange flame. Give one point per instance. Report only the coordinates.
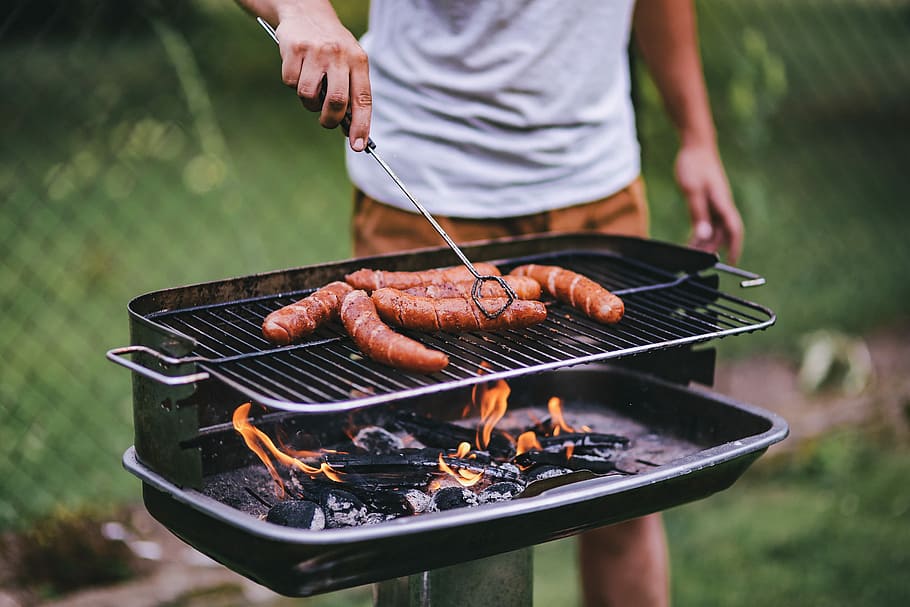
(260, 444)
(465, 478)
(493, 404)
(559, 423)
(526, 442)
(570, 449)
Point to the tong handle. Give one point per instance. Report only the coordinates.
(752, 279)
(117, 355)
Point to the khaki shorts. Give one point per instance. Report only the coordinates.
(379, 228)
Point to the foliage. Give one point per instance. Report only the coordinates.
(66, 551)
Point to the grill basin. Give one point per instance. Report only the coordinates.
(727, 437)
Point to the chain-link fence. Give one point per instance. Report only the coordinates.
(147, 145)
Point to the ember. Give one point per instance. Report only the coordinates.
(419, 464)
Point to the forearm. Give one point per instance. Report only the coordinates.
(666, 33)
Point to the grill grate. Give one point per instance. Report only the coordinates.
(327, 373)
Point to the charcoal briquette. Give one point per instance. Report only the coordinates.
(449, 498)
(378, 441)
(343, 509)
(301, 514)
(499, 492)
(541, 472)
(418, 500)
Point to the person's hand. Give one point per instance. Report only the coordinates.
(716, 223)
(316, 47)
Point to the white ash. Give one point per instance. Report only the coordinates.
(418, 500)
(374, 518)
(499, 492)
(541, 472)
(344, 509)
(378, 441)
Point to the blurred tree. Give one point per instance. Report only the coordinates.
(23, 19)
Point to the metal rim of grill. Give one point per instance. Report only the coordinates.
(326, 372)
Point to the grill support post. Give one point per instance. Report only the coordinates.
(505, 580)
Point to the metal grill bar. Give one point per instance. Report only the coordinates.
(326, 372)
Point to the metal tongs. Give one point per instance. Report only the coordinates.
(371, 150)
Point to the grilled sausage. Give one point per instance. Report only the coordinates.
(300, 318)
(524, 287)
(380, 343)
(370, 280)
(576, 290)
(454, 313)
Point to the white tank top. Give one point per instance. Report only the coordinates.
(490, 108)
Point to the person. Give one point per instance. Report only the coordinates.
(508, 118)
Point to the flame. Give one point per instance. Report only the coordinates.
(570, 449)
(260, 444)
(493, 404)
(526, 442)
(465, 478)
(463, 449)
(556, 418)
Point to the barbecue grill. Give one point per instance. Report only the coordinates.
(199, 353)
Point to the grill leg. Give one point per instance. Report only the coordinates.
(505, 580)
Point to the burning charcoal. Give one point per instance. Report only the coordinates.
(419, 501)
(444, 435)
(379, 441)
(584, 440)
(449, 498)
(386, 502)
(546, 471)
(411, 466)
(499, 492)
(377, 498)
(297, 513)
(598, 465)
(343, 509)
(373, 518)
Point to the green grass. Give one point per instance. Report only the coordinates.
(111, 187)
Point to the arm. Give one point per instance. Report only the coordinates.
(314, 44)
(666, 33)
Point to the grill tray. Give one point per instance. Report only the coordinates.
(217, 326)
(727, 437)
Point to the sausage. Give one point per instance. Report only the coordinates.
(576, 290)
(524, 287)
(380, 343)
(370, 280)
(300, 318)
(454, 313)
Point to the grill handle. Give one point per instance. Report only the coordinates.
(117, 355)
(752, 279)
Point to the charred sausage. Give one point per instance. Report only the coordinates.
(300, 318)
(370, 280)
(380, 343)
(577, 290)
(454, 313)
(524, 287)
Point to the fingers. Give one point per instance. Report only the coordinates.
(716, 223)
(361, 105)
(330, 77)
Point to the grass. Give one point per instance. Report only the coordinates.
(113, 184)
